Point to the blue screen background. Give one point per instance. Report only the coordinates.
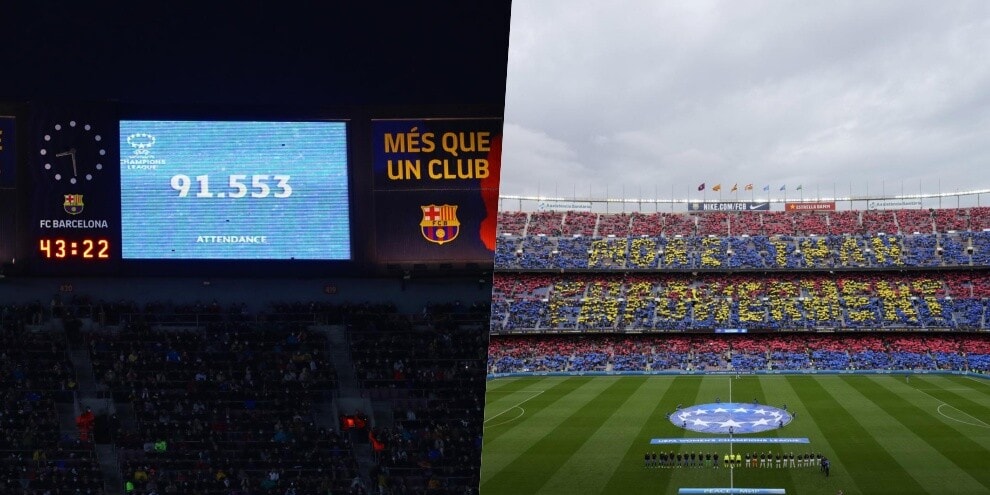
(311, 224)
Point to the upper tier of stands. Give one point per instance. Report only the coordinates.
(768, 223)
(744, 240)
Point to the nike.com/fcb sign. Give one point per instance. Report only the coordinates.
(728, 206)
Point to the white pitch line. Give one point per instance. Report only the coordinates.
(979, 423)
(522, 412)
(732, 476)
(515, 406)
(944, 403)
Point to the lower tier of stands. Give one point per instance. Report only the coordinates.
(897, 351)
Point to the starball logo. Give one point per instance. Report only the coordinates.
(141, 158)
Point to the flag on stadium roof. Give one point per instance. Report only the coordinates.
(735, 187)
(766, 187)
(701, 187)
(799, 187)
(717, 187)
(783, 187)
(749, 187)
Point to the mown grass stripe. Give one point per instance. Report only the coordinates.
(603, 453)
(499, 402)
(682, 391)
(504, 444)
(853, 443)
(974, 404)
(557, 444)
(955, 445)
(553, 390)
(770, 394)
(974, 383)
(806, 479)
(926, 464)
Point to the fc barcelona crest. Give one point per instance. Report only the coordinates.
(73, 204)
(440, 224)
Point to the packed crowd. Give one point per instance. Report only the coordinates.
(36, 456)
(683, 301)
(222, 411)
(211, 399)
(831, 251)
(743, 240)
(751, 223)
(431, 370)
(754, 352)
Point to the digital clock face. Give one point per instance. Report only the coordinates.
(84, 249)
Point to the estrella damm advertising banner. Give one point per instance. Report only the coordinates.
(436, 189)
(810, 206)
(7, 159)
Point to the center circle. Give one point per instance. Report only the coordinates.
(730, 417)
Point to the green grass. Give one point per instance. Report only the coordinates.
(581, 434)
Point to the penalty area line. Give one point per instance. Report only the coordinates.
(516, 405)
(980, 423)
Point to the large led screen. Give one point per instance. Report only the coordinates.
(234, 190)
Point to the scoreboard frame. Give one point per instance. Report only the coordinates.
(91, 246)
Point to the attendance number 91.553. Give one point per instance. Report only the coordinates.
(239, 186)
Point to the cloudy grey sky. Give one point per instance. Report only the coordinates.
(655, 97)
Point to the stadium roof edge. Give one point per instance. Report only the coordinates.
(880, 197)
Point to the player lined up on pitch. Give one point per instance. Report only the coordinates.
(715, 460)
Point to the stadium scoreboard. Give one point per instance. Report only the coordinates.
(102, 192)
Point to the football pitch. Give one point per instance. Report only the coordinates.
(881, 433)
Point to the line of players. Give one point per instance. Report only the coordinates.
(749, 460)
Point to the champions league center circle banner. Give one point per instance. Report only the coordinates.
(730, 418)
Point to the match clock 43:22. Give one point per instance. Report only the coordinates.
(57, 248)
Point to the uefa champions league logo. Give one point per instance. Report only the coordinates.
(142, 143)
(730, 417)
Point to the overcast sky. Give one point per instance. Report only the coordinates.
(656, 97)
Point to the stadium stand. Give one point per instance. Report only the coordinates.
(209, 398)
(648, 291)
